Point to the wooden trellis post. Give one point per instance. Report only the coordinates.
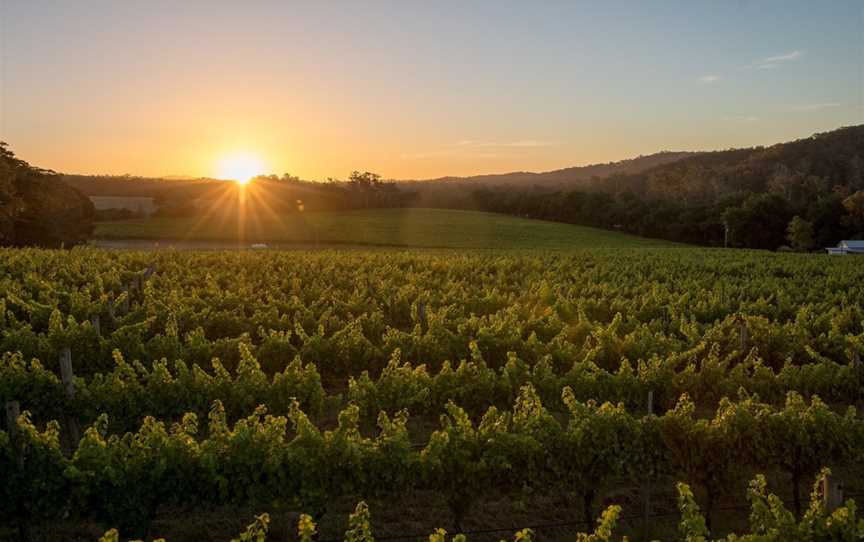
(744, 335)
(832, 493)
(68, 378)
(13, 410)
(96, 324)
(421, 315)
(132, 288)
(125, 306)
(112, 316)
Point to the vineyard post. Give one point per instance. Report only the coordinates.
(97, 326)
(112, 317)
(13, 411)
(125, 306)
(856, 366)
(68, 378)
(135, 287)
(744, 335)
(421, 315)
(832, 493)
(646, 481)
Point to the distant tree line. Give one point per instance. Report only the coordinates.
(38, 208)
(283, 194)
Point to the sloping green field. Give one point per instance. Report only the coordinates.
(426, 228)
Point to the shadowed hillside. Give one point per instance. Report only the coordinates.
(570, 176)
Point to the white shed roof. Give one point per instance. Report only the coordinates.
(852, 244)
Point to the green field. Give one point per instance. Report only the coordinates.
(426, 228)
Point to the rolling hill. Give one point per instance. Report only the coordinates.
(567, 177)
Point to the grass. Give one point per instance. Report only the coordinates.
(424, 228)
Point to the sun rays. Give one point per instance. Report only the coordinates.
(241, 167)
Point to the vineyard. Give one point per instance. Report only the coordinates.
(486, 393)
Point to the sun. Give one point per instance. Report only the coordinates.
(240, 167)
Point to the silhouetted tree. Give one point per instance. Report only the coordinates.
(37, 208)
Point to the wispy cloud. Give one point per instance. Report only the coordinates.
(425, 155)
(815, 107)
(521, 143)
(772, 62)
(448, 154)
(471, 148)
(742, 118)
(709, 78)
(793, 55)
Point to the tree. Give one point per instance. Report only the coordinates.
(800, 234)
(854, 204)
(365, 185)
(829, 219)
(856, 173)
(37, 208)
(760, 222)
(854, 221)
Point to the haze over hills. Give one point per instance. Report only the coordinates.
(125, 185)
(566, 178)
(570, 175)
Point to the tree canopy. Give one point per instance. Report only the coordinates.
(37, 208)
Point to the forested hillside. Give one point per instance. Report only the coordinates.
(570, 176)
(745, 197)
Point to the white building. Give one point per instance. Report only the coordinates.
(847, 247)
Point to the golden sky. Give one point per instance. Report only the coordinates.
(415, 90)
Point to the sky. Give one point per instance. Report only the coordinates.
(415, 89)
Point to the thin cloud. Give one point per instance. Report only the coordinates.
(815, 107)
(471, 148)
(448, 154)
(425, 155)
(742, 118)
(709, 78)
(772, 62)
(794, 55)
(521, 143)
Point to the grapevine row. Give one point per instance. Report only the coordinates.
(132, 390)
(770, 521)
(350, 313)
(264, 459)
